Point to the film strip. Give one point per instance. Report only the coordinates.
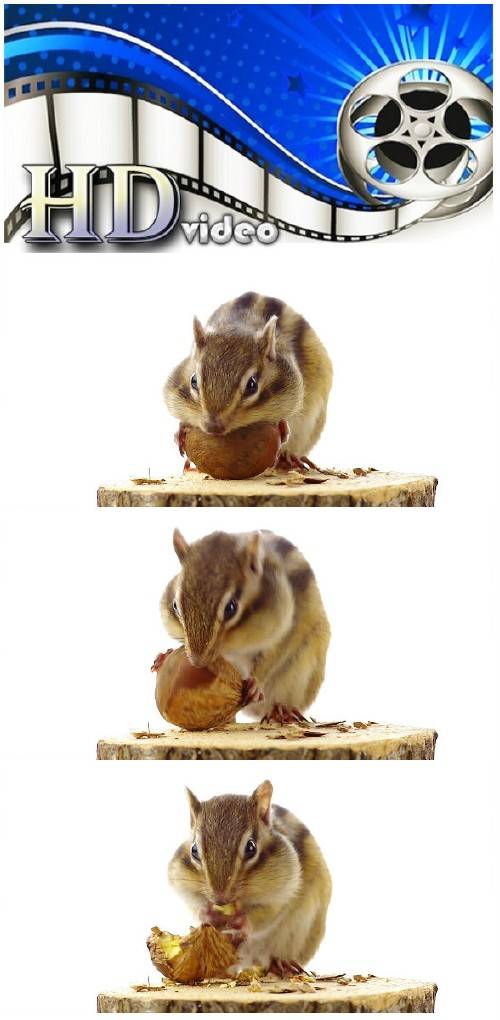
(99, 118)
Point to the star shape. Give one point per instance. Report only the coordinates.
(316, 10)
(416, 17)
(296, 84)
(458, 42)
(233, 17)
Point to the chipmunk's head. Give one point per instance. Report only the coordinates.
(234, 853)
(207, 605)
(239, 377)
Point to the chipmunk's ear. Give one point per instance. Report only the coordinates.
(180, 545)
(199, 334)
(262, 800)
(254, 553)
(267, 339)
(194, 805)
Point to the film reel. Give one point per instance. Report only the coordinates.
(107, 119)
(419, 131)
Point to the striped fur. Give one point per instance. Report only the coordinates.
(294, 379)
(280, 633)
(284, 891)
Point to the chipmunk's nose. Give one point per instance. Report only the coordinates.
(214, 426)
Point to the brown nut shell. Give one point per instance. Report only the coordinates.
(194, 698)
(204, 953)
(243, 453)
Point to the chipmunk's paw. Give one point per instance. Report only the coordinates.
(180, 439)
(251, 691)
(160, 659)
(234, 925)
(284, 430)
(291, 462)
(284, 714)
(285, 968)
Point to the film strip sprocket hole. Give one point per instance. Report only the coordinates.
(71, 118)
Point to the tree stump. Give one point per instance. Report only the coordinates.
(359, 487)
(329, 741)
(322, 995)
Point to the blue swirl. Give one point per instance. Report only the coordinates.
(288, 67)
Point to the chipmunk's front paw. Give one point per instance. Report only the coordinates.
(285, 968)
(292, 462)
(284, 714)
(234, 925)
(284, 430)
(180, 439)
(160, 659)
(251, 691)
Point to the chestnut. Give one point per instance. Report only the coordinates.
(197, 698)
(244, 453)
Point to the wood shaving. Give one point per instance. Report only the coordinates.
(314, 479)
(286, 478)
(148, 481)
(148, 988)
(245, 977)
(147, 735)
(334, 473)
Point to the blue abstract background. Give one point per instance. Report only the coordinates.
(288, 67)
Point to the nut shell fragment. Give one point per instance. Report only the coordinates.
(228, 909)
(204, 953)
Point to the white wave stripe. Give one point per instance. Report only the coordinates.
(125, 36)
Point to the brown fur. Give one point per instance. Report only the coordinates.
(284, 891)
(280, 634)
(294, 371)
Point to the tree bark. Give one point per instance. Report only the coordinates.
(239, 741)
(372, 488)
(324, 995)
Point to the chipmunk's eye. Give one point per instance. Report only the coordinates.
(174, 607)
(251, 386)
(230, 609)
(194, 383)
(195, 852)
(251, 848)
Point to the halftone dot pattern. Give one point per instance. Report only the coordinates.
(289, 67)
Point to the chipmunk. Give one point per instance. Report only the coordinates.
(252, 599)
(256, 360)
(263, 860)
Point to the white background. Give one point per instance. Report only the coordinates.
(412, 597)
(408, 845)
(410, 337)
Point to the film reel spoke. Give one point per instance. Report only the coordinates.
(430, 128)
